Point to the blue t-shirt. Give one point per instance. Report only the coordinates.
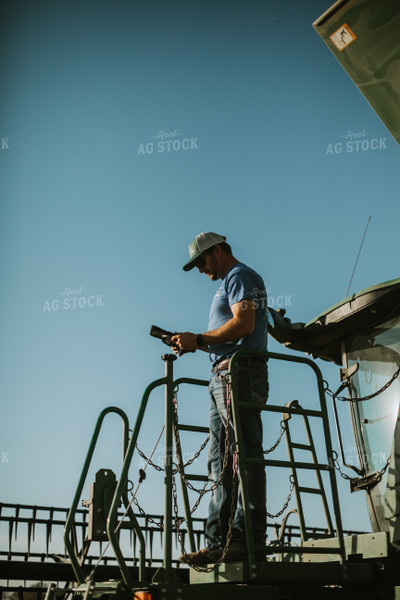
(239, 283)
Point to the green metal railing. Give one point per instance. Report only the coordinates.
(322, 414)
(165, 573)
(69, 525)
(319, 490)
(123, 480)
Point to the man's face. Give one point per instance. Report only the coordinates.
(208, 264)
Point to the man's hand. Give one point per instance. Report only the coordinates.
(184, 342)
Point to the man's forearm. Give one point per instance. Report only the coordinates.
(241, 324)
(231, 331)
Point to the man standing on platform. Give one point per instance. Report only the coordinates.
(237, 321)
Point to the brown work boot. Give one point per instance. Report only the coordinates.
(238, 553)
(201, 557)
(235, 553)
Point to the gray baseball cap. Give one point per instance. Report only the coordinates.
(200, 244)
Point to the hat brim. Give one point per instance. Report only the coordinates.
(192, 262)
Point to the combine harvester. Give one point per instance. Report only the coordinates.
(361, 335)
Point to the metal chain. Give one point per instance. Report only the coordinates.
(187, 464)
(229, 532)
(150, 462)
(365, 398)
(142, 477)
(286, 504)
(212, 487)
(158, 523)
(224, 463)
(203, 445)
(144, 514)
(234, 482)
(174, 471)
(196, 456)
(336, 464)
(179, 468)
(178, 522)
(278, 441)
(382, 472)
(199, 499)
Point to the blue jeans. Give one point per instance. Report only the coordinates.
(252, 386)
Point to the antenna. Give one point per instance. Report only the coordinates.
(358, 256)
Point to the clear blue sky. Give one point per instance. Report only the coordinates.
(127, 128)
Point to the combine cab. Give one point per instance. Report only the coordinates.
(363, 334)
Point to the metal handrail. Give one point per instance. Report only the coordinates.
(121, 487)
(71, 514)
(120, 491)
(242, 460)
(165, 573)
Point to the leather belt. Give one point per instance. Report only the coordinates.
(224, 364)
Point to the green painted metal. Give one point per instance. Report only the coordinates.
(365, 559)
(78, 494)
(120, 492)
(364, 546)
(301, 575)
(323, 414)
(324, 335)
(193, 477)
(299, 490)
(364, 37)
(186, 505)
(169, 422)
(101, 494)
(166, 574)
(386, 286)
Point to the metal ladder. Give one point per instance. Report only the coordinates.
(300, 489)
(293, 464)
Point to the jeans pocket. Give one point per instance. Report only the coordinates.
(259, 390)
(253, 384)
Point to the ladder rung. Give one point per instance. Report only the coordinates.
(287, 463)
(193, 428)
(196, 477)
(308, 490)
(281, 409)
(301, 446)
